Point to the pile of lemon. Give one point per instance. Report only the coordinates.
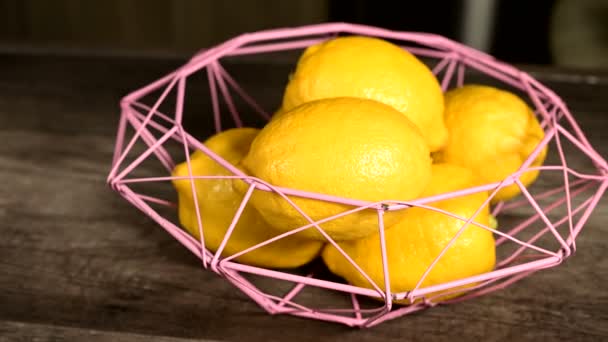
(362, 118)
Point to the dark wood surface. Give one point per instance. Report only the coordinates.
(79, 263)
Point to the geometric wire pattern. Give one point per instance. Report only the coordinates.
(545, 224)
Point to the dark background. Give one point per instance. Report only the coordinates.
(562, 32)
(519, 30)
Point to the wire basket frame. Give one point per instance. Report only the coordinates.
(576, 193)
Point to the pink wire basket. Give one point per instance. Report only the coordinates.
(537, 230)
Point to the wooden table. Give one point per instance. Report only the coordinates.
(79, 263)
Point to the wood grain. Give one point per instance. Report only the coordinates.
(39, 332)
(79, 263)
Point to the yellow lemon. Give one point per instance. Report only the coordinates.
(414, 243)
(374, 69)
(278, 113)
(218, 202)
(492, 132)
(347, 147)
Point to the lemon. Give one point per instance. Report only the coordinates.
(277, 113)
(492, 132)
(348, 147)
(374, 69)
(218, 202)
(414, 242)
